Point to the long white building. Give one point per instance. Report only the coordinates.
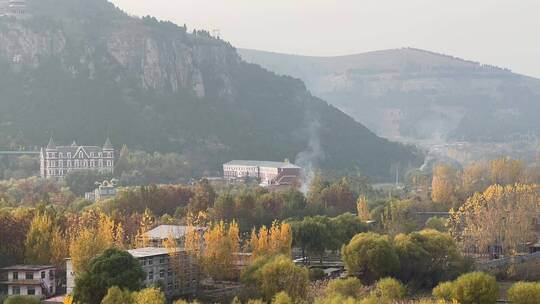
(268, 172)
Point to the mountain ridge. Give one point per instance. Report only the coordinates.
(87, 69)
(414, 95)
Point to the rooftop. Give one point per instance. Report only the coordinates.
(164, 231)
(28, 267)
(259, 163)
(148, 252)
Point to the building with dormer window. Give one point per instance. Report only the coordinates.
(58, 161)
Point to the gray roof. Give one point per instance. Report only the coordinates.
(51, 144)
(108, 145)
(258, 163)
(28, 267)
(164, 231)
(148, 252)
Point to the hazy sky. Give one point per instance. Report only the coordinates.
(505, 33)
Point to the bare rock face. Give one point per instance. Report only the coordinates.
(169, 63)
(21, 45)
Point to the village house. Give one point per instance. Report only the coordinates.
(30, 280)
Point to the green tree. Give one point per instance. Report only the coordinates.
(370, 256)
(524, 293)
(444, 291)
(427, 258)
(476, 288)
(271, 276)
(80, 182)
(436, 223)
(390, 289)
(112, 268)
(116, 295)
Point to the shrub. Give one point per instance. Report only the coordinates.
(350, 287)
(390, 289)
(524, 293)
(282, 298)
(22, 300)
(444, 291)
(476, 288)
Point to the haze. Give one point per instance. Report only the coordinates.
(502, 33)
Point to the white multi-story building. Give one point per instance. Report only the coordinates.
(58, 161)
(16, 8)
(30, 280)
(268, 172)
(179, 277)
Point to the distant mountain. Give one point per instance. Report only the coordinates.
(415, 95)
(82, 69)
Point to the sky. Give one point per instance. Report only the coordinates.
(504, 33)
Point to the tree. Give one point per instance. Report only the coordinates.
(149, 296)
(224, 207)
(203, 197)
(112, 268)
(82, 181)
(501, 216)
(362, 208)
(221, 244)
(312, 235)
(350, 287)
(116, 295)
(436, 223)
(91, 240)
(476, 288)
(44, 243)
(427, 258)
(444, 291)
(524, 293)
(280, 274)
(370, 256)
(443, 185)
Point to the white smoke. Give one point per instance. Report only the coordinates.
(309, 159)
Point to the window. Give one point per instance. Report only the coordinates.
(150, 261)
(51, 274)
(15, 275)
(109, 163)
(169, 272)
(29, 275)
(162, 273)
(31, 291)
(150, 275)
(16, 290)
(60, 155)
(69, 154)
(43, 274)
(161, 260)
(144, 262)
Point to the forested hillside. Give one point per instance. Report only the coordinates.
(84, 69)
(416, 95)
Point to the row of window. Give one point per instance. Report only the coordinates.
(80, 154)
(30, 275)
(77, 163)
(62, 172)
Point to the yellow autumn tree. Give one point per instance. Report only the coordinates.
(276, 241)
(45, 243)
(475, 178)
(218, 254)
(506, 171)
(500, 216)
(147, 223)
(443, 185)
(91, 241)
(362, 209)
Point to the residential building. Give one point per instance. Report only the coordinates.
(267, 172)
(104, 191)
(177, 271)
(31, 280)
(157, 235)
(58, 161)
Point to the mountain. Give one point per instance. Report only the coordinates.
(415, 95)
(83, 69)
